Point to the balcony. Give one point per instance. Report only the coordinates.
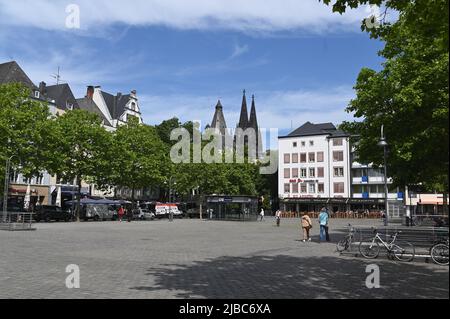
(391, 196)
(370, 180)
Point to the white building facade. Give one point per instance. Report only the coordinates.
(314, 168)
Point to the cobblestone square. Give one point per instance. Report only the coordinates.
(200, 259)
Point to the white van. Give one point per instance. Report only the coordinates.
(163, 210)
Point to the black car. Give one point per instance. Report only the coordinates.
(51, 213)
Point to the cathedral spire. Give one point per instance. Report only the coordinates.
(219, 119)
(253, 123)
(243, 120)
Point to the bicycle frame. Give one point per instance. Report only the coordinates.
(386, 245)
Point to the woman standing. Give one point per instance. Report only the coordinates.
(306, 226)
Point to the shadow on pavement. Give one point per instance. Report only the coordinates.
(286, 277)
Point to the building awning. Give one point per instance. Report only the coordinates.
(431, 202)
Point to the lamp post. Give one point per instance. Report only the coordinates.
(382, 143)
(170, 197)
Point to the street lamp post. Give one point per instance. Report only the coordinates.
(170, 199)
(382, 143)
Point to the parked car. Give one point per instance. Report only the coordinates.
(51, 213)
(143, 214)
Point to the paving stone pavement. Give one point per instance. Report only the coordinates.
(200, 259)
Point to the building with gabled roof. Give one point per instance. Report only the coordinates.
(114, 110)
(11, 72)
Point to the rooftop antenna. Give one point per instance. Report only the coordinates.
(57, 76)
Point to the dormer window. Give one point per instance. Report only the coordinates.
(69, 106)
(36, 94)
(133, 106)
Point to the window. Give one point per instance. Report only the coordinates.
(312, 172)
(338, 142)
(295, 188)
(303, 173)
(338, 172)
(294, 144)
(320, 188)
(312, 157)
(303, 143)
(320, 157)
(338, 156)
(287, 158)
(302, 157)
(287, 188)
(287, 173)
(303, 188)
(311, 143)
(312, 188)
(36, 94)
(339, 188)
(295, 158)
(295, 173)
(320, 172)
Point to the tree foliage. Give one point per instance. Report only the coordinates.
(140, 158)
(409, 96)
(23, 130)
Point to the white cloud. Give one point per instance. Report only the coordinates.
(274, 109)
(239, 50)
(248, 15)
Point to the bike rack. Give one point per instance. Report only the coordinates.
(422, 238)
(18, 222)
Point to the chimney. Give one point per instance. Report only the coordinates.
(133, 93)
(90, 92)
(42, 88)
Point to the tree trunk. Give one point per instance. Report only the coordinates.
(132, 197)
(78, 198)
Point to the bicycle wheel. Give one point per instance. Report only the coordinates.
(403, 251)
(343, 244)
(369, 249)
(439, 254)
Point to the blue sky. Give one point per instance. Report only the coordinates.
(298, 58)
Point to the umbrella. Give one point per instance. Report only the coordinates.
(58, 197)
(26, 202)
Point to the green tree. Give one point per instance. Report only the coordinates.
(81, 150)
(409, 96)
(140, 158)
(24, 127)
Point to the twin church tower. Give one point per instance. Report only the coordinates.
(245, 122)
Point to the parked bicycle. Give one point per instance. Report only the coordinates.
(439, 253)
(344, 244)
(403, 251)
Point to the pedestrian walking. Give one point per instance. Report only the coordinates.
(261, 214)
(278, 217)
(120, 213)
(323, 222)
(129, 213)
(306, 226)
